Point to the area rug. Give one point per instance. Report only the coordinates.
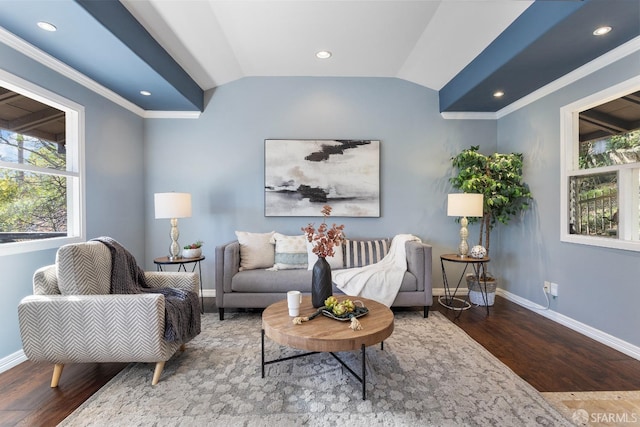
(430, 373)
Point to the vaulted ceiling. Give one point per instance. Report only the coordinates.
(464, 49)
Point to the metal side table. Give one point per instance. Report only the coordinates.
(449, 299)
(181, 263)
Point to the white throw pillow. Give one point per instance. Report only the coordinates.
(291, 252)
(335, 262)
(256, 250)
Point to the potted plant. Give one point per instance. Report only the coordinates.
(498, 177)
(193, 250)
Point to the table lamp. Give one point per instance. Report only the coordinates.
(464, 205)
(173, 206)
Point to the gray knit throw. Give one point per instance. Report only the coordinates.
(182, 308)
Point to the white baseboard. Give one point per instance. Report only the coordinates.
(209, 293)
(12, 360)
(591, 332)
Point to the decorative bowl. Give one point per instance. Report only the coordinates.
(192, 253)
(478, 252)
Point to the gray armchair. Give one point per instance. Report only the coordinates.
(72, 318)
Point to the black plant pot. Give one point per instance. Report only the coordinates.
(321, 284)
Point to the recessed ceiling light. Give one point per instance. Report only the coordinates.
(498, 94)
(47, 26)
(600, 31)
(145, 93)
(323, 54)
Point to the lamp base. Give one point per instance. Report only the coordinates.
(463, 248)
(174, 249)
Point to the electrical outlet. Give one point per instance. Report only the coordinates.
(554, 289)
(546, 287)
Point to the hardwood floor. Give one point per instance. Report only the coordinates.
(550, 357)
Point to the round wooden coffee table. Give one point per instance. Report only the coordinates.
(324, 334)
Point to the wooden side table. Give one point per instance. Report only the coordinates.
(181, 263)
(479, 269)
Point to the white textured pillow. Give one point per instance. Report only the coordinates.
(336, 261)
(291, 252)
(256, 250)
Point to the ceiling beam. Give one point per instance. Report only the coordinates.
(116, 18)
(523, 33)
(8, 96)
(633, 98)
(606, 121)
(598, 134)
(30, 121)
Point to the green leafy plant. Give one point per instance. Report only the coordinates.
(498, 178)
(195, 245)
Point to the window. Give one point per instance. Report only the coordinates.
(601, 168)
(41, 179)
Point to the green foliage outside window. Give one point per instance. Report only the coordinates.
(31, 201)
(614, 150)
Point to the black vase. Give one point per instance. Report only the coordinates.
(321, 284)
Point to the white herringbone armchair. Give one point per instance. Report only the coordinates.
(72, 318)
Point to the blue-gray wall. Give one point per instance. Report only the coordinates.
(219, 158)
(114, 185)
(599, 287)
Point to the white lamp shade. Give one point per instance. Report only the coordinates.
(172, 205)
(464, 204)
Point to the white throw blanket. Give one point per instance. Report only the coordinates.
(380, 281)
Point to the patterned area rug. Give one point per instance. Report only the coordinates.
(429, 373)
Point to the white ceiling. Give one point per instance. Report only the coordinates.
(426, 42)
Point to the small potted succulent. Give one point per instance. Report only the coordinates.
(194, 250)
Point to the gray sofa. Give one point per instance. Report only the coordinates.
(259, 288)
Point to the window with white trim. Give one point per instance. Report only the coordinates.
(600, 153)
(41, 177)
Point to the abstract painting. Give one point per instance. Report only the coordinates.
(301, 176)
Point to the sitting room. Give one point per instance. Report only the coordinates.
(204, 140)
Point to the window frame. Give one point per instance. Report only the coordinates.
(74, 172)
(569, 141)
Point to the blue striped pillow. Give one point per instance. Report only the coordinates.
(358, 253)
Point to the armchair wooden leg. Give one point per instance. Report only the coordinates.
(157, 372)
(57, 372)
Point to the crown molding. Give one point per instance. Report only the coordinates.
(54, 64)
(463, 115)
(148, 114)
(49, 61)
(591, 67)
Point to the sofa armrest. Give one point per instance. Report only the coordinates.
(173, 279)
(419, 263)
(93, 328)
(227, 264)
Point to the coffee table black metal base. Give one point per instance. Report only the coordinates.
(362, 378)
